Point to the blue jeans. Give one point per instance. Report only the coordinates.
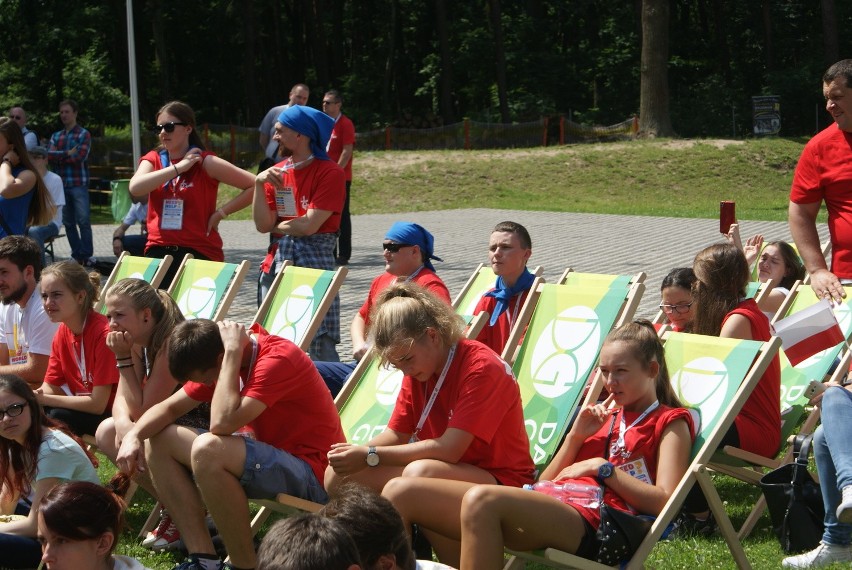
(335, 374)
(41, 234)
(833, 454)
(75, 213)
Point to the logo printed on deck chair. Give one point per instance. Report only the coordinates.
(200, 297)
(700, 383)
(566, 350)
(295, 313)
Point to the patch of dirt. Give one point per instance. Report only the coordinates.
(395, 161)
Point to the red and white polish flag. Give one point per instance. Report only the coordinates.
(808, 332)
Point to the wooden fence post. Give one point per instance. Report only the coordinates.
(467, 134)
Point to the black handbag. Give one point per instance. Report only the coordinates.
(620, 533)
(795, 501)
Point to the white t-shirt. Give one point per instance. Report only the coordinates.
(36, 330)
(429, 565)
(137, 213)
(54, 185)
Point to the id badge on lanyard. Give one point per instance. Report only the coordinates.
(172, 214)
(285, 202)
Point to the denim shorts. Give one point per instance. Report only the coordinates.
(269, 471)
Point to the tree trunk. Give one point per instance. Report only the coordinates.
(829, 32)
(161, 49)
(654, 119)
(767, 35)
(446, 81)
(500, 58)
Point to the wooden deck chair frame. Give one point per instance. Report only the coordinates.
(749, 467)
(695, 473)
(465, 296)
(289, 504)
(759, 462)
(339, 275)
(548, 411)
(230, 292)
(125, 260)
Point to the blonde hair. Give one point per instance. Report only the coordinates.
(77, 279)
(165, 311)
(648, 348)
(402, 314)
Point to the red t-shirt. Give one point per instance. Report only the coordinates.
(99, 361)
(426, 278)
(343, 134)
(198, 190)
(759, 421)
(300, 417)
(824, 173)
(319, 186)
(481, 397)
(496, 336)
(643, 442)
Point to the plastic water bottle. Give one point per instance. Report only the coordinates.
(575, 493)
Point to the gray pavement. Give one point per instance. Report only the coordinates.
(594, 243)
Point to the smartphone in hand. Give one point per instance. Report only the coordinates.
(727, 215)
(814, 388)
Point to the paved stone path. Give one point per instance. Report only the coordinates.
(596, 243)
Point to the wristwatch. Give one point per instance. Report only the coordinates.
(372, 457)
(604, 472)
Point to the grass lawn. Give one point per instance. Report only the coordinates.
(660, 178)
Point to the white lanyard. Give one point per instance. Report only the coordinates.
(514, 314)
(619, 443)
(293, 165)
(434, 395)
(81, 360)
(251, 363)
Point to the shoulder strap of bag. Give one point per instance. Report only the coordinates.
(802, 448)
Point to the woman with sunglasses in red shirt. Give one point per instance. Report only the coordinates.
(182, 180)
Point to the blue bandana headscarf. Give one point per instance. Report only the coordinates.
(414, 234)
(314, 124)
(503, 293)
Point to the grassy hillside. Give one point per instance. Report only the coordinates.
(682, 178)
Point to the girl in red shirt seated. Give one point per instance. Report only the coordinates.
(646, 424)
(81, 378)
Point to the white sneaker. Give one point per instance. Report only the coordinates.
(822, 555)
(844, 509)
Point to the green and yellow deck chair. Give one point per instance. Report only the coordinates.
(748, 467)
(558, 355)
(365, 404)
(297, 302)
(714, 376)
(478, 284)
(150, 269)
(205, 289)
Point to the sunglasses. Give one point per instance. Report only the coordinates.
(168, 127)
(16, 117)
(394, 247)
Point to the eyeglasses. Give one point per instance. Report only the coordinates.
(394, 247)
(677, 308)
(330, 102)
(13, 411)
(168, 127)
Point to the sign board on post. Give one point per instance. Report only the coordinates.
(766, 110)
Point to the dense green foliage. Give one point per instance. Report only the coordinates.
(232, 60)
